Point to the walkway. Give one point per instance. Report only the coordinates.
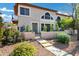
(51, 48)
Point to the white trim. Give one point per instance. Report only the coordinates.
(24, 7)
(44, 15)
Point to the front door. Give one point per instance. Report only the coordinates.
(35, 27)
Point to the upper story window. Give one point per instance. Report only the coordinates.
(51, 18)
(42, 17)
(47, 16)
(58, 18)
(24, 11)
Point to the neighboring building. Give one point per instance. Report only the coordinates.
(35, 16)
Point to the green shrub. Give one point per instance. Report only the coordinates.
(27, 29)
(57, 27)
(24, 49)
(63, 27)
(1, 29)
(45, 28)
(16, 36)
(1, 34)
(1, 22)
(10, 36)
(51, 27)
(63, 38)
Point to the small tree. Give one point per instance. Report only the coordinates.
(57, 27)
(45, 28)
(59, 21)
(66, 22)
(62, 26)
(6, 34)
(11, 35)
(51, 27)
(27, 29)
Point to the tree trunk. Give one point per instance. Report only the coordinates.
(78, 34)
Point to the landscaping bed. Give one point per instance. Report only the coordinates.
(6, 50)
(72, 47)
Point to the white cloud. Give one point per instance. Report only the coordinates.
(59, 12)
(5, 9)
(4, 15)
(7, 18)
(66, 13)
(63, 13)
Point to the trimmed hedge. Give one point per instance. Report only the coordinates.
(24, 49)
(63, 38)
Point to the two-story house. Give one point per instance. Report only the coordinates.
(36, 17)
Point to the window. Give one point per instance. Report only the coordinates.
(42, 17)
(42, 27)
(24, 11)
(47, 16)
(51, 18)
(48, 27)
(58, 18)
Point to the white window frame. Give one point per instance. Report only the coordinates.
(44, 15)
(24, 7)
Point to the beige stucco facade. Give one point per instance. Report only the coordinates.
(35, 17)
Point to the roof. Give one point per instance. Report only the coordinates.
(63, 15)
(31, 5)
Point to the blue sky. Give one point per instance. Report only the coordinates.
(7, 9)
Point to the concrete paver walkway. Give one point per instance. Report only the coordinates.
(52, 49)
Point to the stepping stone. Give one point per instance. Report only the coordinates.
(37, 37)
(57, 51)
(53, 49)
(47, 45)
(42, 41)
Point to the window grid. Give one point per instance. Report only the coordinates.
(47, 16)
(24, 11)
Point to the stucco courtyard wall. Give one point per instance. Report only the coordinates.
(28, 35)
(71, 31)
(49, 35)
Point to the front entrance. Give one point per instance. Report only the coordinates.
(35, 27)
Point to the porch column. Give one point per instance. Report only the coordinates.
(54, 26)
(39, 27)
